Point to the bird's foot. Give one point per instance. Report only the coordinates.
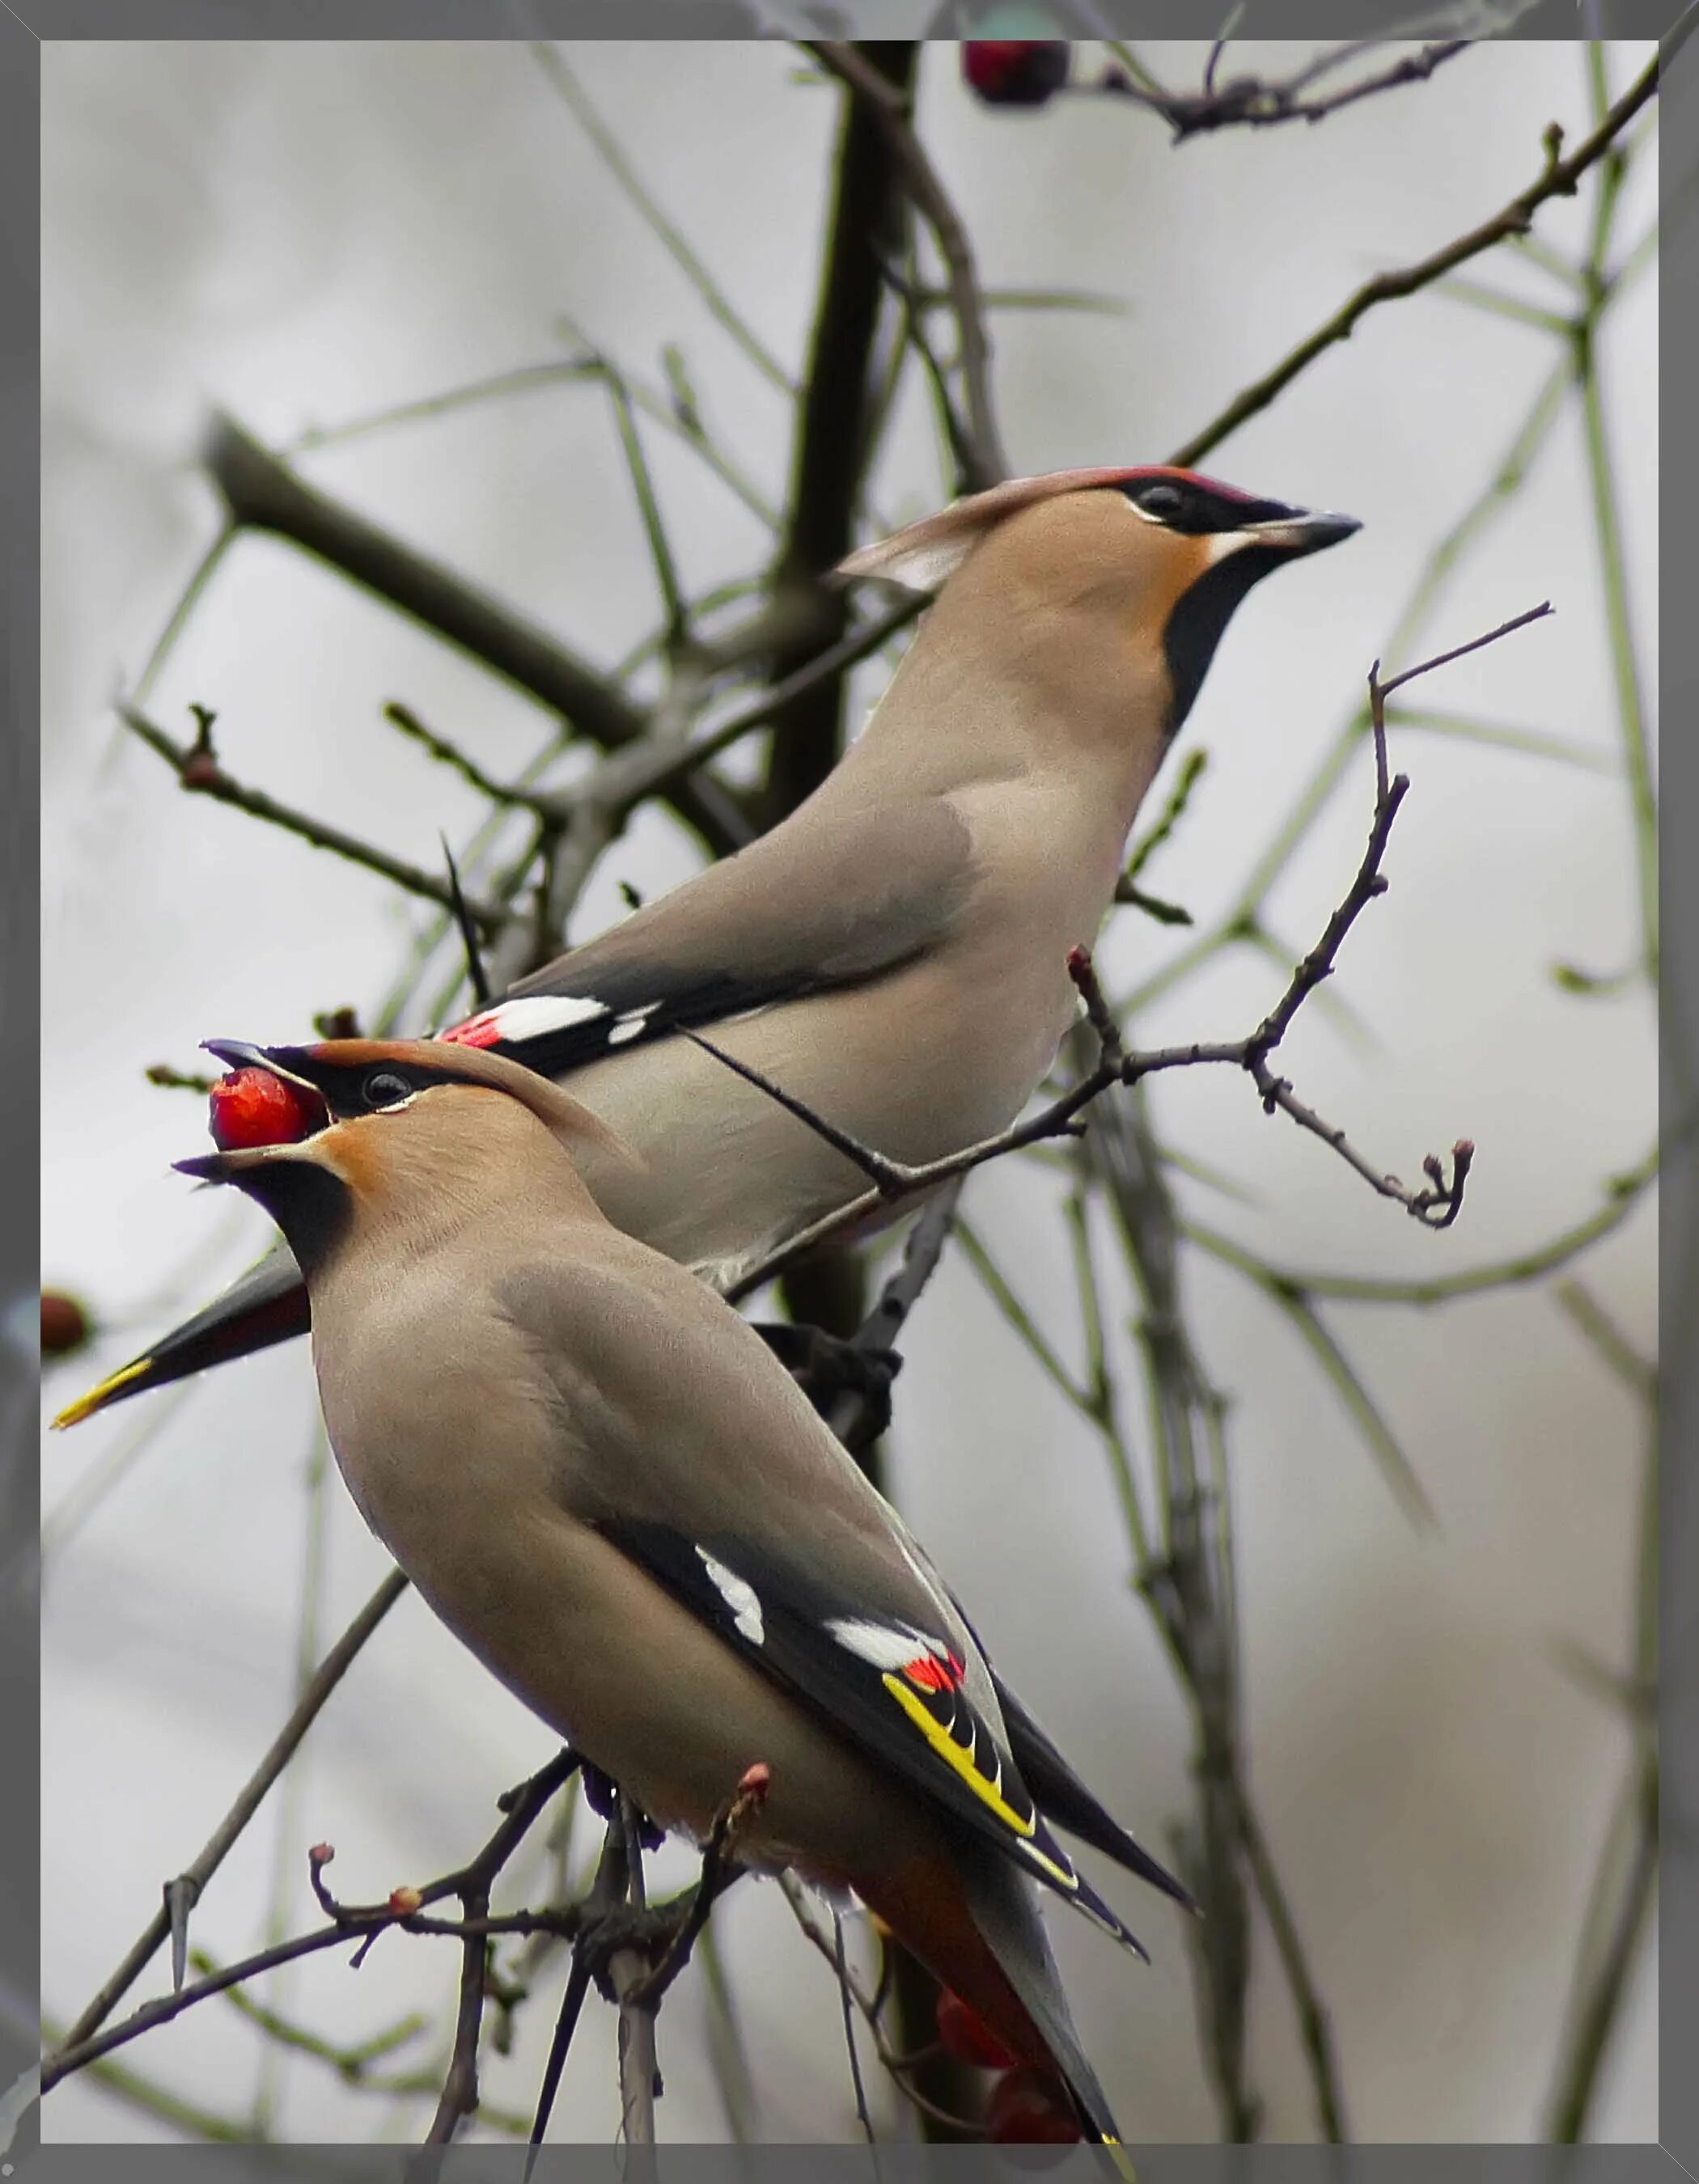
(848, 1383)
(602, 1795)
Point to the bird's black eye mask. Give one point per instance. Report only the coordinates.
(1198, 506)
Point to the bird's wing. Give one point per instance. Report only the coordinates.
(681, 1439)
(894, 1689)
(1063, 1798)
(804, 909)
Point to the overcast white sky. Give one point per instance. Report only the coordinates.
(308, 233)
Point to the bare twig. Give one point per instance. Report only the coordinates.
(450, 755)
(405, 1909)
(901, 2067)
(1435, 1204)
(719, 1870)
(1558, 178)
(1312, 2018)
(262, 492)
(1255, 103)
(1169, 817)
(639, 2073)
(1601, 1993)
(892, 110)
(200, 1868)
(839, 424)
(606, 1888)
(549, 58)
(198, 771)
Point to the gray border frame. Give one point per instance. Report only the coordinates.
(70, 20)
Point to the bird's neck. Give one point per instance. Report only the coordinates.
(1064, 692)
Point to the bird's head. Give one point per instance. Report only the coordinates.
(1159, 556)
(383, 1128)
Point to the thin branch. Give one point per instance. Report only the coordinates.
(1255, 103)
(570, 92)
(1314, 2027)
(899, 2067)
(839, 424)
(648, 509)
(450, 755)
(200, 773)
(685, 424)
(892, 111)
(1436, 1205)
(1533, 743)
(625, 777)
(1557, 179)
(261, 493)
(200, 1868)
(604, 1890)
(1577, 1300)
(1623, 1193)
(719, 1869)
(1169, 817)
(1600, 1996)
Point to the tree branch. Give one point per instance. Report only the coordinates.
(1258, 103)
(837, 425)
(1436, 1204)
(891, 110)
(263, 492)
(200, 1870)
(200, 774)
(1557, 179)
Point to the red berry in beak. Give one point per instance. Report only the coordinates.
(1015, 71)
(253, 1107)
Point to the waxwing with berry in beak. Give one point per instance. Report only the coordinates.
(601, 1479)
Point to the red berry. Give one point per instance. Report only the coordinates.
(968, 2036)
(1015, 71)
(64, 1325)
(1030, 2108)
(253, 1107)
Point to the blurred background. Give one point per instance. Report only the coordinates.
(1435, 1726)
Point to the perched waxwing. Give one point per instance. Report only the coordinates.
(608, 1488)
(893, 954)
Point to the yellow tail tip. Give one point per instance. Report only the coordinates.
(1123, 2163)
(98, 1397)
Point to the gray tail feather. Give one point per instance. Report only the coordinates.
(1007, 1911)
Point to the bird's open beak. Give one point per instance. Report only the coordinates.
(239, 1054)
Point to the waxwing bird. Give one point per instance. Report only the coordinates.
(603, 1482)
(893, 954)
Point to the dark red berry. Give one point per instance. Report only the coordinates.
(64, 1325)
(1015, 71)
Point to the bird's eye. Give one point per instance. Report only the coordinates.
(386, 1087)
(1163, 500)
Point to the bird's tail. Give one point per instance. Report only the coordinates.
(267, 1304)
(974, 1921)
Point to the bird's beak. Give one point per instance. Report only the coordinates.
(225, 1167)
(238, 1054)
(1301, 532)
